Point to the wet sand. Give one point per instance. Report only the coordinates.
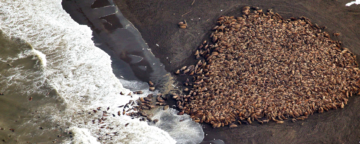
(131, 58)
(157, 22)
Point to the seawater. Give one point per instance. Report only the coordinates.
(23, 103)
(58, 77)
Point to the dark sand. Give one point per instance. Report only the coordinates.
(157, 21)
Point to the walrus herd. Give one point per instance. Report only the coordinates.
(262, 67)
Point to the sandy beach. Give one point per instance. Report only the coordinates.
(157, 23)
(156, 20)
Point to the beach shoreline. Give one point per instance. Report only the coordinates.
(157, 23)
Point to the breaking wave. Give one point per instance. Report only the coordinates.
(80, 73)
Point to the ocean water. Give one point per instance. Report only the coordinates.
(21, 80)
(53, 77)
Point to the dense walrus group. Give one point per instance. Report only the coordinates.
(261, 67)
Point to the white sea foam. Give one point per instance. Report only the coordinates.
(41, 56)
(353, 2)
(180, 127)
(18, 74)
(79, 71)
(82, 136)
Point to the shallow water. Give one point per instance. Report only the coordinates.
(24, 106)
(56, 76)
(126, 47)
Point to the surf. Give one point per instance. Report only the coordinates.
(81, 75)
(80, 72)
